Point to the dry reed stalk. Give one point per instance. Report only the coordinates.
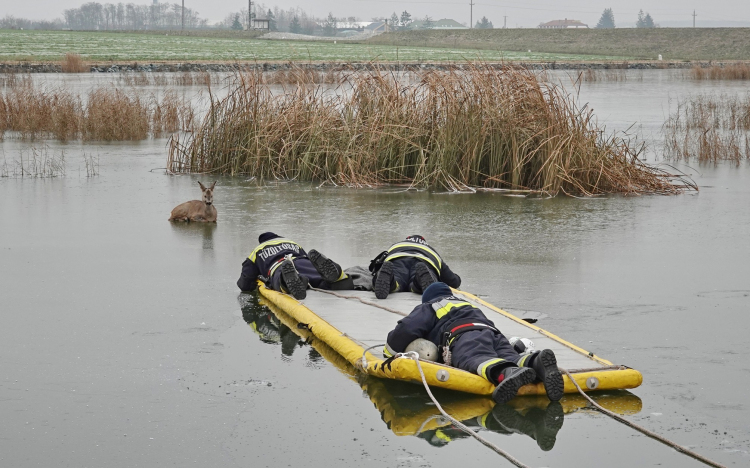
(73, 63)
(38, 164)
(12, 79)
(34, 113)
(200, 78)
(109, 114)
(112, 115)
(477, 127)
(709, 128)
(734, 71)
(3, 117)
(609, 74)
(171, 114)
(183, 79)
(301, 76)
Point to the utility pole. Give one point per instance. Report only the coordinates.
(183, 14)
(505, 22)
(471, 14)
(694, 15)
(249, 14)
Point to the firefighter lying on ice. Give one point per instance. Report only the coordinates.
(284, 266)
(411, 265)
(474, 345)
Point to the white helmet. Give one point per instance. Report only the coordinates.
(522, 345)
(425, 348)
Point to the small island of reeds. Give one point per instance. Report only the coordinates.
(475, 127)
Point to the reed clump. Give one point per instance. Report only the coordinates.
(477, 128)
(113, 115)
(35, 163)
(73, 63)
(709, 128)
(32, 112)
(171, 114)
(608, 74)
(105, 113)
(735, 71)
(302, 76)
(187, 78)
(12, 79)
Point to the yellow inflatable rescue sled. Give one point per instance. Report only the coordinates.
(350, 327)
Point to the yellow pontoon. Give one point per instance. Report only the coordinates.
(350, 327)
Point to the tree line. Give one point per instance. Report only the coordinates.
(129, 16)
(607, 20)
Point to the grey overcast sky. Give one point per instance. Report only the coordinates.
(527, 13)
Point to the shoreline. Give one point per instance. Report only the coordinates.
(167, 67)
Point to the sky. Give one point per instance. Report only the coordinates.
(525, 14)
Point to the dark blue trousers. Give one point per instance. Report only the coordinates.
(305, 268)
(484, 353)
(403, 275)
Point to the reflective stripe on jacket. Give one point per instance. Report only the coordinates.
(409, 248)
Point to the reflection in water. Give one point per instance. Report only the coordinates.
(407, 410)
(268, 327)
(193, 230)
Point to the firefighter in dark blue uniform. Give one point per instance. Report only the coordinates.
(285, 266)
(411, 265)
(474, 345)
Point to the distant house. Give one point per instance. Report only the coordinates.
(444, 23)
(376, 27)
(564, 24)
(262, 24)
(353, 25)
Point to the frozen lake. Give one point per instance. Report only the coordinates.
(125, 341)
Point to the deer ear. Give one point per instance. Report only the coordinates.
(202, 187)
(213, 185)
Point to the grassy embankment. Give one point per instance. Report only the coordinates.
(488, 128)
(107, 47)
(671, 43)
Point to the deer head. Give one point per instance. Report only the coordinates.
(208, 193)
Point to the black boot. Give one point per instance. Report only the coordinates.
(512, 378)
(384, 280)
(329, 270)
(544, 364)
(295, 284)
(423, 276)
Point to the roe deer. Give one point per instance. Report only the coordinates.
(196, 210)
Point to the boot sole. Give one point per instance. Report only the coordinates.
(382, 286)
(553, 380)
(423, 275)
(511, 420)
(554, 416)
(508, 388)
(327, 268)
(551, 425)
(296, 286)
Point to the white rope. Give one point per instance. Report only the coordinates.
(413, 355)
(393, 311)
(643, 430)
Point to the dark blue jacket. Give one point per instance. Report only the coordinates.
(430, 320)
(264, 260)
